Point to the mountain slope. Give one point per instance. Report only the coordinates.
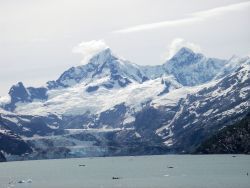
(232, 139)
(113, 107)
(11, 143)
(203, 113)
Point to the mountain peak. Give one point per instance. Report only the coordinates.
(101, 57)
(104, 66)
(185, 57)
(104, 52)
(184, 51)
(17, 87)
(192, 68)
(17, 93)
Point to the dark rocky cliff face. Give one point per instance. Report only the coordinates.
(232, 139)
(13, 144)
(2, 158)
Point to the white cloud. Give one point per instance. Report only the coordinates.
(222, 10)
(192, 18)
(4, 100)
(177, 44)
(89, 49)
(157, 25)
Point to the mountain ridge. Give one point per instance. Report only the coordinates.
(105, 70)
(113, 107)
(231, 139)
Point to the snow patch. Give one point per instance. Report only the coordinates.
(137, 135)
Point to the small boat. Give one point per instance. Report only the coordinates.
(81, 165)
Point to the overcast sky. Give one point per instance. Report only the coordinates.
(39, 38)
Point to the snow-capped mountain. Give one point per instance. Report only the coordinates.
(192, 69)
(110, 106)
(18, 93)
(205, 112)
(103, 70)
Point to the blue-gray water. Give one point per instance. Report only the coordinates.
(189, 171)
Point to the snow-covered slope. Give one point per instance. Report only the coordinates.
(208, 110)
(231, 65)
(76, 100)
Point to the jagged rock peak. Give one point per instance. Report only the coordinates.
(18, 90)
(105, 56)
(185, 50)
